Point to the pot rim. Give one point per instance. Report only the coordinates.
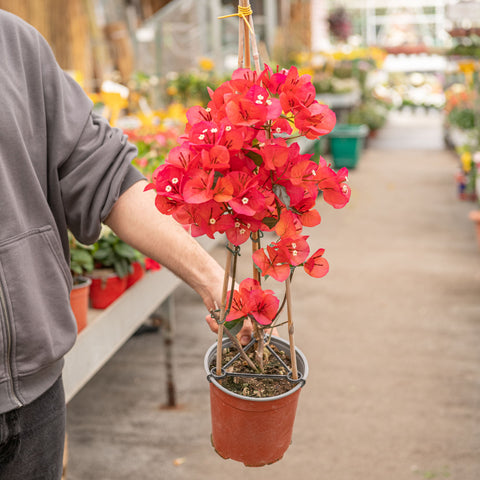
(276, 340)
(85, 282)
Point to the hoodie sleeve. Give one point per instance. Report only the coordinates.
(90, 159)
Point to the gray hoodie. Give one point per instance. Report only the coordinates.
(61, 167)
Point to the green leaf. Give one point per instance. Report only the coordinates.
(281, 192)
(270, 222)
(235, 325)
(256, 157)
(124, 250)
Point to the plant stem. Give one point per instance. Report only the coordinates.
(240, 349)
(293, 357)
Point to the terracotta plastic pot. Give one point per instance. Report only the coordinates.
(254, 431)
(136, 275)
(79, 301)
(106, 288)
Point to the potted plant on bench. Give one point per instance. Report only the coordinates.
(81, 264)
(114, 260)
(238, 171)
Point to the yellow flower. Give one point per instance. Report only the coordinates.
(172, 90)
(206, 64)
(466, 159)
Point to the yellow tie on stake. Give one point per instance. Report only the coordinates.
(243, 12)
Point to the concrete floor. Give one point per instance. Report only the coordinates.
(391, 334)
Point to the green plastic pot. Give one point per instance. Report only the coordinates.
(346, 144)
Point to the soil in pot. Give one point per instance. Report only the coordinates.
(259, 387)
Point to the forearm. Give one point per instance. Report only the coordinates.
(136, 220)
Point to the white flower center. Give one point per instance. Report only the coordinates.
(175, 180)
(237, 224)
(228, 128)
(244, 200)
(294, 245)
(208, 109)
(314, 173)
(345, 189)
(205, 130)
(168, 188)
(214, 130)
(201, 137)
(268, 102)
(212, 221)
(294, 253)
(242, 231)
(278, 130)
(260, 97)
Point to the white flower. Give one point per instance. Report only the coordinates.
(201, 137)
(244, 200)
(228, 128)
(175, 180)
(168, 188)
(212, 221)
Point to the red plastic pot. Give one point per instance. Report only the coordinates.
(254, 431)
(79, 301)
(106, 287)
(136, 275)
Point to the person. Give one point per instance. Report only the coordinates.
(62, 167)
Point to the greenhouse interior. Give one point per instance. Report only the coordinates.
(373, 107)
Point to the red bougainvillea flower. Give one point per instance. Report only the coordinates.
(250, 300)
(240, 229)
(293, 250)
(297, 91)
(199, 188)
(316, 265)
(272, 264)
(316, 120)
(216, 158)
(247, 200)
(333, 184)
(209, 219)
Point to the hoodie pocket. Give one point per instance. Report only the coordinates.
(36, 285)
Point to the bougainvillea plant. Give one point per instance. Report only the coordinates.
(238, 171)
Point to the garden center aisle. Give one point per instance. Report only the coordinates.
(392, 336)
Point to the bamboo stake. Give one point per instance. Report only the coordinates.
(228, 266)
(293, 357)
(257, 332)
(246, 35)
(256, 55)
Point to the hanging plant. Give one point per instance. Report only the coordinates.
(239, 172)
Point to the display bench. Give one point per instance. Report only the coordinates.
(109, 329)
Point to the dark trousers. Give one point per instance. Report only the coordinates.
(32, 438)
